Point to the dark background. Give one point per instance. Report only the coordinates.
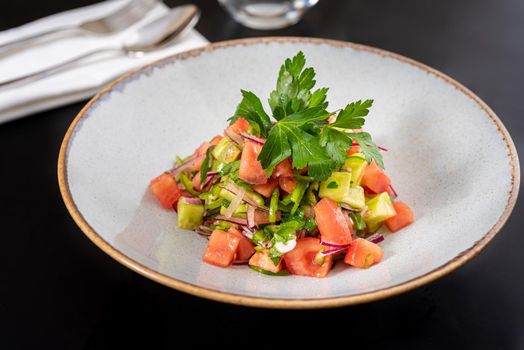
(59, 291)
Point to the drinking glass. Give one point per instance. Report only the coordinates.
(267, 14)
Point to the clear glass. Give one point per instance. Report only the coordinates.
(267, 14)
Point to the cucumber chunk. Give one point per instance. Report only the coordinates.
(338, 188)
(355, 165)
(189, 215)
(226, 150)
(380, 209)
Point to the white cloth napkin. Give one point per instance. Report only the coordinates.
(78, 83)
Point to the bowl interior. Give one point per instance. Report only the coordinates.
(446, 158)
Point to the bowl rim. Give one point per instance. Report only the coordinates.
(281, 303)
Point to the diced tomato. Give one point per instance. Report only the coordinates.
(332, 223)
(166, 190)
(215, 141)
(266, 189)
(202, 149)
(250, 168)
(403, 218)
(374, 179)
(239, 126)
(287, 184)
(283, 169)
(363, 253)
(245, 247)
(262, 217)
(353, 150)
(221, 248)
(261, 259)
(196, 182)
(301, 260)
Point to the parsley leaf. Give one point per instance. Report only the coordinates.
(307, 152)
(332, 184)
(310, 224)
(318, 98)
(251, 109)
(286, 138)
(275, 150)
(302, 131)
(368, 147)
(229, 168)
(285, 233)
(351, 117)
(206, 166)
(336, 144)
(293, 89)
(306, 116)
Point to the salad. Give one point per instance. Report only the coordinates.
(290, 191)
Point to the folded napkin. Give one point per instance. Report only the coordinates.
(81, 82)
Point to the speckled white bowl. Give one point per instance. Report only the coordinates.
(450, 158)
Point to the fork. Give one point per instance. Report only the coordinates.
(112, 23)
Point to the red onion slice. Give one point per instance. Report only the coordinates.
(191, 200)
(190, 162)
(236, 221)
(203, 233)
(253, 138)
(376, 238)
(247, 232)
(333, 251)
(234, 189)
(234, 137)
(250, 216)
(235, 203)
(347, 207)
(205, 228)
(336, 246)
(384, 149)
(209, 180)
(393, 192)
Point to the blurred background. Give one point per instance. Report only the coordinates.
(59, 291)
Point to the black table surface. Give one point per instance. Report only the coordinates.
(59, 291)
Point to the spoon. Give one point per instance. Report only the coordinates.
(152, 36)
(115, 22)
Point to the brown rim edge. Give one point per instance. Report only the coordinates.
(453, 264)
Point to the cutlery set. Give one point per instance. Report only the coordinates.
(155, 34)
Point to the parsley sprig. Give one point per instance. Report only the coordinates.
(302, 130)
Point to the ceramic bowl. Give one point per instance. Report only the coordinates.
(450, 157)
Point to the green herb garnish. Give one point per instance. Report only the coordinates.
(302, 131)
(332, 184)
(206, 166)
(358, 221)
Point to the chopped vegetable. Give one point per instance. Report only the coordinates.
(266, 189)
(190, 213)
(301, 260)
(379, 210)
(166, 190)
(221, 249)
(250, 168)
(363, 254)
(273, 206)
(374, 179)
(403, 218)
(332, 223)
(289, 191)
(245, 248)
